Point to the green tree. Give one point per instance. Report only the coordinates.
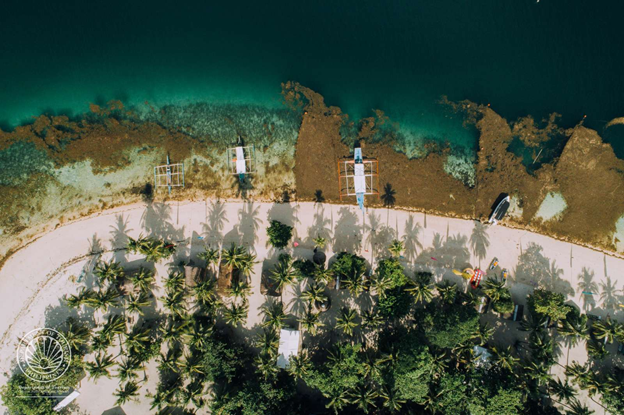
(396, 248)
(143, 279)
(421, 288)
(135, 303)
(549, 304)
(310, 321)
(274, 315)
(236, 314)
(100, 366)
(279, 234)
(453, 326)
(346, 320)
(284, 272)
(109, 272)
(129, 391)
(363, 397)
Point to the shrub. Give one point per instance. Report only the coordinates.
(279, 234)
(391, 268)
(395, 304)
(504, 306)
(548, 304)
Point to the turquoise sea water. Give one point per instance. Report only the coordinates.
(521, 56)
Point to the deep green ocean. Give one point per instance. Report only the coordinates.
(521, 56)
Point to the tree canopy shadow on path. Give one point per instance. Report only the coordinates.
(379, 235)
(445, 255)
(539, 271)
(479, 241)
(410, 239)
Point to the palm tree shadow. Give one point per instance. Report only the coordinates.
(216, 218)
(320, 227)
(410, 238)
(119, 237)
(587, 287)
(297, 306)
(608, 295)
(346, 236)
(249, 224)
(479, 241)
(539, 271)
(242, 187)
(388, 197)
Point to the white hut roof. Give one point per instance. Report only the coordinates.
(288, 346)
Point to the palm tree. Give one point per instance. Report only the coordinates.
(337, 399)
(100, 366)
(143, 279)
(372, 365)
(136, 302)
(607, 329)
(175, 282)
(596, 349)
(138, 339)
(268, 342)
(574, 327)
(534, 323)
(299, 365)
(311, 321)
(174, 328)
(284, 272)
(76, 334)
(421, 288)
(194, 392)
(319, 242)
(495, 289)
(246, 264)
(100, 342)
(578, 373)
(85, 296)
(537, 372)
(206, 295)
(346, 320)
(391, 398)
(171, 360)
(355, 282)
(364, 397)
(274, 315)
(127, 369)
(396, 247)
(561, 389)
(371, 319)
(504, 359)
(236, 315)
(239, 290)
(108, 272)
(483, 333)
(192, 364)
(127, 392)
(115, 326)
(542, 347)
(198, 333)
(439, 363)
(233, 256)
(211, 256)
(577, 408)
(173, 302)
(266, 365)
(323, 275)
(315, 294)
(447, 291)
(381, 284)
(105, 298)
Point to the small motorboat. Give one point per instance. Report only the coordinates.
(505, 274)
(500, 210)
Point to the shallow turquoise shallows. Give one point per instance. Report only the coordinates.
(522, 56)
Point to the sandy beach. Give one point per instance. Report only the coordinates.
(35, 278)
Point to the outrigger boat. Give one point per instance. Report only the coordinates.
(500, 211)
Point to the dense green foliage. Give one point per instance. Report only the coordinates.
(548, 304)
(452, 326)
(279, 234)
